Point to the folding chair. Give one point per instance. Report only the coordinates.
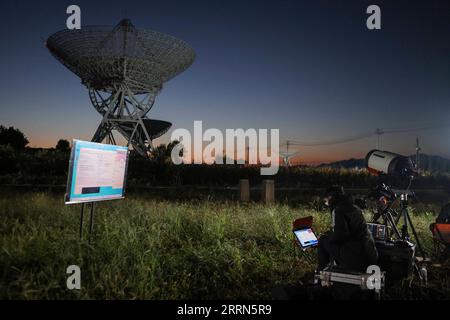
(308, 253)
(441, 239)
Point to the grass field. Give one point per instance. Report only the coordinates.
(153, 249)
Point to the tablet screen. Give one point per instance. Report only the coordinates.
(306, 237)
(378, 231)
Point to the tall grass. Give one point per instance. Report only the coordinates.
(152, 249)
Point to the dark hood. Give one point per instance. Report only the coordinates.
(342, 201)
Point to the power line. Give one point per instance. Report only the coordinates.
(365, 135)
(417, 128)
(331, 142)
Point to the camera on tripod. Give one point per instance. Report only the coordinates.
(397, 253)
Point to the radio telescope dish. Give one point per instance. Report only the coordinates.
(287, 156)
(124, 69)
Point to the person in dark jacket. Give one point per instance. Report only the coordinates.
(349, 244)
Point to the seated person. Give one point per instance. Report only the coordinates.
(443, 218)
(349, 244)
(444, 215)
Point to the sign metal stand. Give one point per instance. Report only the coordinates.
(91, 221)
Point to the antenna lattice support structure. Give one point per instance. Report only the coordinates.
(124, 69)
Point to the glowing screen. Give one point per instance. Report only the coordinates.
(96, 172)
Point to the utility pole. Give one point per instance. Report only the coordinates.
(417, 155)
(286, 158)
(379, 132)
(247, 155)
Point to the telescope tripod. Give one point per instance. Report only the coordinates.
(403, 232)
(392, 218)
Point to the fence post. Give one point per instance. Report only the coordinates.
(244, 190)
(268, 191)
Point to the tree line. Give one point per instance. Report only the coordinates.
(20, 164)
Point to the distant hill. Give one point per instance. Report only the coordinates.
(347, 164)
(427, 162)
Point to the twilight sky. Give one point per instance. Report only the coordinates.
(309, 68)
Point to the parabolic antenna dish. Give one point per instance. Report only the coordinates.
(155, 128)
(124, 68)
(104, 57)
